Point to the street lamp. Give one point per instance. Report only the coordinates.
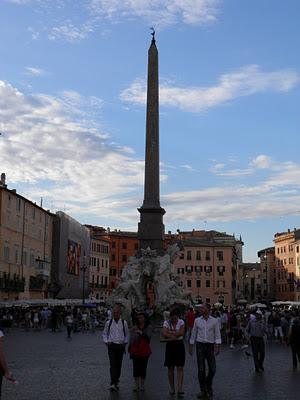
(83, 268)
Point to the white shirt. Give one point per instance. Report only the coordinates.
(116, 332)
(206, 331)
(171, 327)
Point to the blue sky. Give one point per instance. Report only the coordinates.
(72, 110)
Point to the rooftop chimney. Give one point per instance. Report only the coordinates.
(2, 180)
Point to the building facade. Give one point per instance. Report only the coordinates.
(250, 282)
(25, 246)
(207, 266)
(287, 273)
(70, 258)
(99, 268)
(268, 273)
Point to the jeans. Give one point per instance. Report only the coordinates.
(258, 349)
(205, 352)
(115, 354)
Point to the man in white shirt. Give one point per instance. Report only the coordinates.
(115, 336)
(206, 334)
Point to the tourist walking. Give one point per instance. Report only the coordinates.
(115, 336)
(69, 324)
(207, 336)
(256, 329)
(140, 350)
(190, 319)
(294, 340)
(4, 370)
(173, 333)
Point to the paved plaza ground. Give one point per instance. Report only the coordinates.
(51, 367)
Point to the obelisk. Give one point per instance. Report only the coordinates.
(151, 227)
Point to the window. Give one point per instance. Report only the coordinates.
(207, 283)
(16, 256)
(113, 257)
(297, 249)
(220, 255)
(113, 245)
(24, 257)
(32, 259)
(198, 268)
(124, 245)
(220, 284)
(189, 255)
(136, 246)
(102, 263)
(208, 269)
(207, 255)
(124, 258)
(181, 256)
(221, 270)
(106, 263)
(198, 255)
(6, 253)
(189, 283)
(198, 283)
(18, 204)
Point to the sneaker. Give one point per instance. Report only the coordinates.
(113, 388)
(245, 346)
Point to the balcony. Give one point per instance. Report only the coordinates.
(12, 285)
(43, 268)
(98, 286)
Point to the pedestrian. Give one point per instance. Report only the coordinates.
(69, 324)
(256, 328)
(4, 370)
(294, 339)
(190, 319)
(173, 333)
(115, 336)
(140, 350)
(207, 336)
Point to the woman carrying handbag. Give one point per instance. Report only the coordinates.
(140, 350)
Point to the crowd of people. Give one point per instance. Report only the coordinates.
(204, 329)
(55, 318)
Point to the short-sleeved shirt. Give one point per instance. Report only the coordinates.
(170, 326)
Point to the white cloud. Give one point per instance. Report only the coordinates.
(262, 162)
(95, 13)
(246, 81)
(61, 153)
(34, 71)
(159, 12)
(70, 32)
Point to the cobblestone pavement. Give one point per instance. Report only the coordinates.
(51, 367)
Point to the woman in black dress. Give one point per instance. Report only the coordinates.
(173, 332)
